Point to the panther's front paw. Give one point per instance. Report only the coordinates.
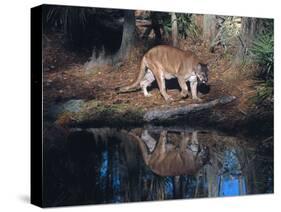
(184, 94)
(169, 99)
(148, 95)
(197, 99)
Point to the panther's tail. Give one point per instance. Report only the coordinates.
(136, 84)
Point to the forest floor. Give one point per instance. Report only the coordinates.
(65, 79)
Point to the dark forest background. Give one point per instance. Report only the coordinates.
(238, 48)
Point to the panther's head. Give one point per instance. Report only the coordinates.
(202, 72)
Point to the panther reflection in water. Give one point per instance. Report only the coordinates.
(167, 160)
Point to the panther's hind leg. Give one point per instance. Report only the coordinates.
(146, 82)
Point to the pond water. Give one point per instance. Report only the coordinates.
(106, 165)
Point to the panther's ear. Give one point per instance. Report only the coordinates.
(207, 65)
(204, 65)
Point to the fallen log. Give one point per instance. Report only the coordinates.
(170, 112)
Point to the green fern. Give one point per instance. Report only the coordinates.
(262, 51)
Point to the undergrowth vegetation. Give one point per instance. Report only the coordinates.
(262, 53)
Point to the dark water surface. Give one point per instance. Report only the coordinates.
(105, 165)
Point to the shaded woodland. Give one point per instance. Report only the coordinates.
(88, 52)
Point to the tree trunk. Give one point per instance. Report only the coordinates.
(176, 182)
(155, 26)
(174, 29)
(250, 29)
(172, 112)
(209, 28)
(198, 21)
(128, 37)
